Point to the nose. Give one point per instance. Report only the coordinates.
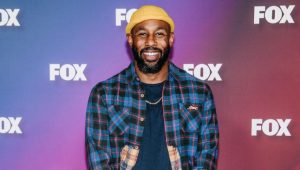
(150, 41)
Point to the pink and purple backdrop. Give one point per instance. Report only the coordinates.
(259, 76)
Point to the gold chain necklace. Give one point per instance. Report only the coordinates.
(153, 103)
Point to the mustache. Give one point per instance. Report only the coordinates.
(150, 48)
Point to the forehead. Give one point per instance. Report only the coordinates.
(151, 25)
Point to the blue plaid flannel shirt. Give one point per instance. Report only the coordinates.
(116, 113)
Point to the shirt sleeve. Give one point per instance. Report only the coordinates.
(207, 155)
(97, 136)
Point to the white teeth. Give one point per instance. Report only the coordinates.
(150, 54)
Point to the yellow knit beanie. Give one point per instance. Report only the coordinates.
(149, 12)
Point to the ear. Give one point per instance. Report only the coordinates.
(171, 39)
(129, 39)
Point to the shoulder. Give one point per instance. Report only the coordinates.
(187, 80)
(118, 80)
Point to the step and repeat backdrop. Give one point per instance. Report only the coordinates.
(53, 52)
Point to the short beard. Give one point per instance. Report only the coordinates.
(143, 67)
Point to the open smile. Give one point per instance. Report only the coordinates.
(151, 56)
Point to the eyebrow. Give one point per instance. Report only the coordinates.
(160, 28)
(139, 29)
(143, 29)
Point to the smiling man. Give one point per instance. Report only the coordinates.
(152, 115)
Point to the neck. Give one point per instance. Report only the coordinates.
(153, 78)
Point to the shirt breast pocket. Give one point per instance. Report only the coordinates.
(190, 117)
(118, 120)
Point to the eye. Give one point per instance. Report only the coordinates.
(141, 34)
(160, 34)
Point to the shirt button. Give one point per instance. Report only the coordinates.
(142, 95)
(137, 79)
(142, 119)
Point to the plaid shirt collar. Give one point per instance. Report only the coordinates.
(132, 76)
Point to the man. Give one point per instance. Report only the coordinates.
(152, 115)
